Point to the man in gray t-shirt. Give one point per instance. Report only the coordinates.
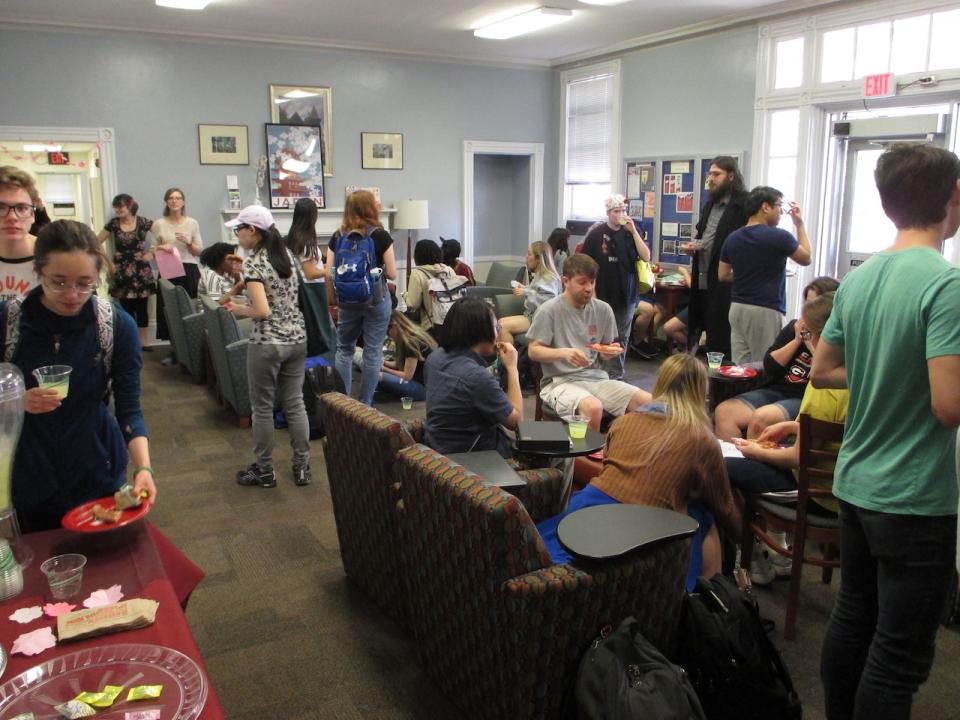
(574, 383)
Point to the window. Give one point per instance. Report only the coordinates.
(836, 61)
(789, 64)
(944, 50)
(911, 36)
(591, 142)
(782, 155)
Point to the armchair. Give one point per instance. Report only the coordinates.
(228, 353)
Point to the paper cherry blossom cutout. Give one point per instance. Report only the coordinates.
(35, 642)
(55, 609)
(27, 614)
(99, 598)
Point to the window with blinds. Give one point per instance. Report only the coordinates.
(590, 125)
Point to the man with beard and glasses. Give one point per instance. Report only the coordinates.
(723, 213)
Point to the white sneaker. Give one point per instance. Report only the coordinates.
(761, 568)
(782, 566)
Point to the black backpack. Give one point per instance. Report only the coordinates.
(736, 669)
(623, 676)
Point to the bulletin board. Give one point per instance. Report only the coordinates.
(678, 198)
(641, 196)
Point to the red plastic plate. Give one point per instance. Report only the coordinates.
(80, 519)
(737, 371)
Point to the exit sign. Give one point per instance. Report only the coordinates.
(878, 86)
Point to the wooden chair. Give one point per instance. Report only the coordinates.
(765, 514)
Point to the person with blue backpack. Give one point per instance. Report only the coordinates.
(360, 260)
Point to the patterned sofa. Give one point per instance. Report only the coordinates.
(360, 450)
(498, 626)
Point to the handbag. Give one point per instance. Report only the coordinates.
(646, 278)
(312, 299)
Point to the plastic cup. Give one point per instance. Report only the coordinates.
(54, 377)
(714, 360)
(577, 426)
(407, 402)
(64, 574)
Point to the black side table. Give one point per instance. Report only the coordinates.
(591, 443)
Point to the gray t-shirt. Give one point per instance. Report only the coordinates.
(559, 324)
(705, 244)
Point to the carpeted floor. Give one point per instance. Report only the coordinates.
(284, 635)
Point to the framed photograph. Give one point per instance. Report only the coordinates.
(300, 105)
(381, 151)
(223, 145)
(294, 164)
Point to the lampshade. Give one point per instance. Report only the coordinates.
(411, 215)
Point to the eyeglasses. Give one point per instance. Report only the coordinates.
(238, 228)
(57, 287)
(806, 334)
(21, 210)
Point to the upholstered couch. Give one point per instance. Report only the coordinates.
(185, 323)
(497, 625)
(227, 345)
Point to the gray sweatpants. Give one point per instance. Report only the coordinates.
(275, 374)
(752, 331)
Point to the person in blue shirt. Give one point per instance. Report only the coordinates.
(754, 258)
(73, 449)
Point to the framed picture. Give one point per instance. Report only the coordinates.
(300, 105)
(294, 164)
(381, 151)
(223, 145)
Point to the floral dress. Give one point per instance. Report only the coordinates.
(134, 277)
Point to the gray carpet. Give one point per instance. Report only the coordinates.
(284, 635)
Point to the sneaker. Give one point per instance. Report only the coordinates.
(782, 566)
(301, 475)
(646, 350)
(761, 568)
(169, 360)
(253, 475)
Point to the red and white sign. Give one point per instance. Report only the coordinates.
(878, 86)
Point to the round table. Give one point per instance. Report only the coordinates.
(590, 443)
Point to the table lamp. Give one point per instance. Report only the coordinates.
(411, 215)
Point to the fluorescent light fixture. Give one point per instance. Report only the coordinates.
(295, 166)
(43, 148)
(183, 4)
(527, 22)
(604, 2)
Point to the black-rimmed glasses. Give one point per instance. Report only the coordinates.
(21, 210)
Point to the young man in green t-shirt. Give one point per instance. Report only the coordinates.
(894, 340)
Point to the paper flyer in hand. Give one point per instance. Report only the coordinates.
(169, 264)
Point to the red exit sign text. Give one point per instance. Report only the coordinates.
(878, 86)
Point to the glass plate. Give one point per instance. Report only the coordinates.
(62, 678)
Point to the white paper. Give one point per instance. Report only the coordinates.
(633, 185)
(232, 182)
(669, 229)
(679, 168)
(729, 450)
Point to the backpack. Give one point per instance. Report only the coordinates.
(10, 322)
(357, 277)
(623, 676)
(736, 669)
(444, 289)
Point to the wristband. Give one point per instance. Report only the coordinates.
(148, 469)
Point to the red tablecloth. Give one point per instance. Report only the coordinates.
(128, 557)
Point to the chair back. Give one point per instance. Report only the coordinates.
(508, 305)
(228, 352)
(502, 272)
(819, 443)
(486, 292)
(172, 313)
(190, 346)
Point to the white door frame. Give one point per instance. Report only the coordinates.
(103, 138)
(484, 147)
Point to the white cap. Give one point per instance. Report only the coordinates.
(256, 215)
(615, 202)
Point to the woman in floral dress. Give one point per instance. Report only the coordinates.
(132, 281)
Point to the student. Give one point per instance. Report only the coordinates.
(450, 256)
(220, 270)
(403, 376)
(277, 345)
(73, 449)
(559, 242)
(544, 285)
(664, 455)
(427, 256)
(18, 197)
(302, 239)
(465, 404)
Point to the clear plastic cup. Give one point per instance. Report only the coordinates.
(64, 574)
(54, 377)
(407, 402)
(577, 426)
(714, 360)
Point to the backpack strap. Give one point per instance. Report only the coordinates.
(11, 330)
(105, 321)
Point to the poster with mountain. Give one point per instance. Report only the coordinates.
(300, 105)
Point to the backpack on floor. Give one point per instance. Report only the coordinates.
(319, 377)
(623, 676)
(357, 279)
(736, 669)
(444, 289)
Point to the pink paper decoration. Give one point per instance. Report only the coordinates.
(99, 598)
(55, 609)
(35, 642)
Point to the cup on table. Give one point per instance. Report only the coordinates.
(577, 426)
(407, 402)
(54, 377)
(64, 574)
(714, 360)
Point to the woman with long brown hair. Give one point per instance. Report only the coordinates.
(403, 376)
(361, 228)
(665, 455)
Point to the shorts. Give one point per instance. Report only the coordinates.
(790, 407)
(684, 316)
(565, 397)
(648, 299)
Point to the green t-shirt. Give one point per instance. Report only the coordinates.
(891, 315)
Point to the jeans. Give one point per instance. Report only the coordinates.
(896, 572)
(402, 388)
(275, 373)
(372, 322)
(624, 319)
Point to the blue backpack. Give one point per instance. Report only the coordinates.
(357, 277)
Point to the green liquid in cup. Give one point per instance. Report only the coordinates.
(577, 430)
(62, 387)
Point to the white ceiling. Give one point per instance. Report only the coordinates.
(437, 28)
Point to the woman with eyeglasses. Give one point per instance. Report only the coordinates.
(132, 283)
(72, 449)
(277, 348)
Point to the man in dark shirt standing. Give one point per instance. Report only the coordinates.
(616, 246)
(723, 213)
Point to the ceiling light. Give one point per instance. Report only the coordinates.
(183, 4)
(523, 23)
(604, 2)
(43, 148)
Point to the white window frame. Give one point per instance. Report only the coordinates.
(612, 68)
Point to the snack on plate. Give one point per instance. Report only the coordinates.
(103, 699)
(125, 498)
(75, 709)
(768, 444)
(24, 716)
(106, 514)
(606, 348)
(144, 692)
